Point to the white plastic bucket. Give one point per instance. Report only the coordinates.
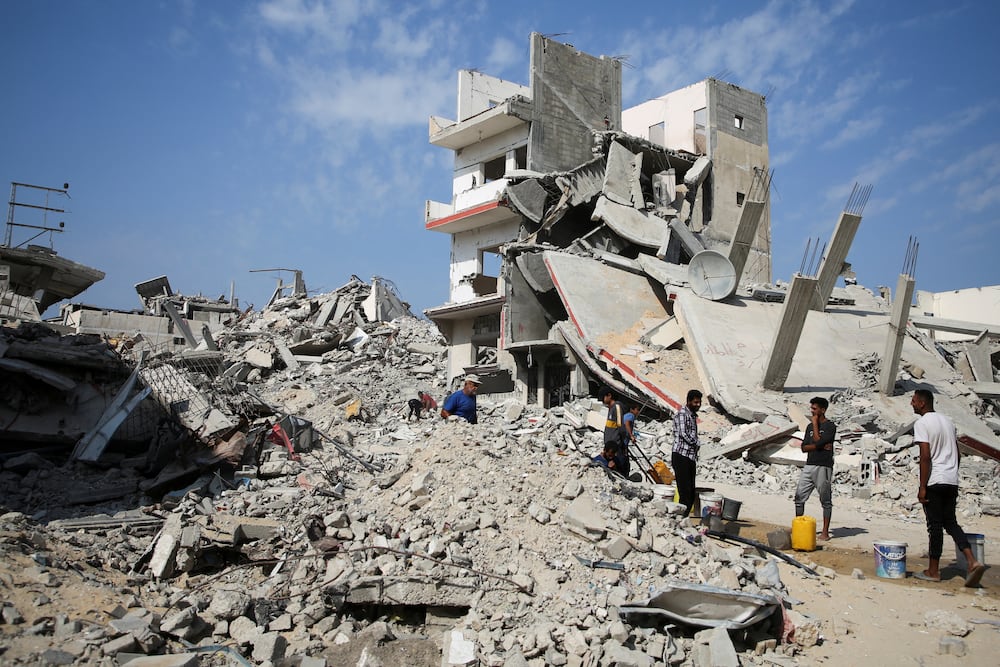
(977, 541)
(711, 505)
(890, 559)
(665, 491)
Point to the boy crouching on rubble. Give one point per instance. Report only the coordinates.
(610, 458)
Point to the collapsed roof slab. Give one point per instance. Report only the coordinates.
(731, 342)
(609, 309)
(631, 224)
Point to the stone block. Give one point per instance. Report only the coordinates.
(457, 650)
(170, 660)
(721, 649)
(119, 645)
(571, 489)
(53, 656)
(257, 528)
(243, 630)
(948, 645)
(616, 548)
(269, 646)
(779, 539)
(228, 604)
(946, 621)
(421, 484)
(620, 656)
(582, 516)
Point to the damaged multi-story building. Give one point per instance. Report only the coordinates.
(559, 163)
(592, 244)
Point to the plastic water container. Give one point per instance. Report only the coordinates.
(711, 505)
(978, 543)
(890, 559)
(731, 509)
(804, 533)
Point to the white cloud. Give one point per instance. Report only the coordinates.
(329, 23)
(504, 54)
(853, 130)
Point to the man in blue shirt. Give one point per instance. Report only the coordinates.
(463, 402)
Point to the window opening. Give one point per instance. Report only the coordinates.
(657, 133)
(738, 122)
(521, 157)
(494, 169)
(700, 143)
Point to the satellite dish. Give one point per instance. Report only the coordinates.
(712, 275)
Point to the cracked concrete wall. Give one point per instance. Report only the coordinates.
(734, 152)
(572, 92)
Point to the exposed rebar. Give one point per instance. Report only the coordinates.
(858, 199)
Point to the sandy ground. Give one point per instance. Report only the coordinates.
(875, 620)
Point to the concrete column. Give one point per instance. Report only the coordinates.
(836, 255)
(180, 324)
(897, 330)
(786, 339)
(746, 231)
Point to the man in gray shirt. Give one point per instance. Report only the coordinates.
(818, 471)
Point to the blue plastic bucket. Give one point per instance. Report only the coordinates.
(890, 559)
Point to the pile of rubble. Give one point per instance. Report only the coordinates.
(318, 525)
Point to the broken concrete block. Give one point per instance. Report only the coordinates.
(539, 513)
(228, 604)
(946, 621)
(269, 646)
(616, 548)
(583, 517)
(162, 564)
(806, 631)
(243, 630)
(257, 528)
(119, 645)
(182, 623)
(780, 539)
(170, 660)
(513, 411)
(10, 614)
(721, 649)
(457, 650)
(65, 628)
(951, 646)
(616, 654)
(767, 575)
(259, 358)
(572, 489)
(421, 484)
(53, 656)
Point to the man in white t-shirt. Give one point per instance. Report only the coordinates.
(935, 435)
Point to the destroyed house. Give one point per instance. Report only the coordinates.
(558, 164)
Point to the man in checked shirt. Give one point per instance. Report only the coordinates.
(686, 446)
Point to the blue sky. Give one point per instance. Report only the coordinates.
(205, 139)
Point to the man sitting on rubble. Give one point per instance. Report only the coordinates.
(463, 402)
